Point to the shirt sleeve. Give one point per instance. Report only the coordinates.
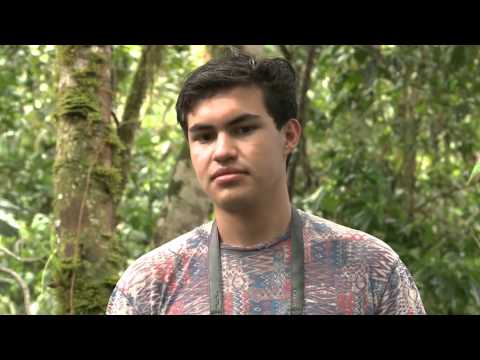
(401, 295)
(120, 304)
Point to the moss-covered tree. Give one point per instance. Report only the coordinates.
(87, 179)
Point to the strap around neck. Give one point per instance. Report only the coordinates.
(297, 268)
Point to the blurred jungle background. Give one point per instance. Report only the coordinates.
(95, 171)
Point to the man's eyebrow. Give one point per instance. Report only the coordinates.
(242, 118)
(239, 119)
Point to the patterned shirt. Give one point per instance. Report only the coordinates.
(346, 272)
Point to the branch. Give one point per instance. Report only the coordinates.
(446, 193)
(16, 257)
(115, 119)
(144, 76)
(307, 75)
(23, 285)
(286, 52)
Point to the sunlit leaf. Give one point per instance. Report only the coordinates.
(475, 173)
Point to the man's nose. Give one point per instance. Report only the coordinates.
(225, 149)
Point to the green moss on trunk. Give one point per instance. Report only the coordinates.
(111, 177)
(87, 180)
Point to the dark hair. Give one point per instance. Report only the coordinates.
(275, 77)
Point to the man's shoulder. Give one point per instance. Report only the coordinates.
(183, 243)
(164, 259)
(320, 230)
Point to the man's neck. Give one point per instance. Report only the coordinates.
(256, 225)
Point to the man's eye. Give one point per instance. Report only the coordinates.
(243, 130)
(204, 138)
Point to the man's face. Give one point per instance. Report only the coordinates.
(236, 150)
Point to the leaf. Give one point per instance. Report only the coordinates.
(475, 173)
(8, 225)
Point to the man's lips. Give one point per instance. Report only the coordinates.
(227, 173)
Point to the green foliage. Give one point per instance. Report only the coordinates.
(32, 249)
(365, 102)
(156, 148)
(27, 145)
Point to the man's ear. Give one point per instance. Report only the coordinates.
(292, 132)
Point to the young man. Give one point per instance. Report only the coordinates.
(260, 255)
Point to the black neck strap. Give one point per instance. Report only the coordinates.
(297, 268)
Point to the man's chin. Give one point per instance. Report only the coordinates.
(234, 204)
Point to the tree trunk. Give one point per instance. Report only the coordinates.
(408, 137)
(144, 77)
(256, 50)
(215, 51)
(87, 180)
(300, 154)
(186, 205)
(224, 50)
